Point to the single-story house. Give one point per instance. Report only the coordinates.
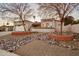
(19, 25)
(50, 23)
(6, 25)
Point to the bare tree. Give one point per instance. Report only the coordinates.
(45, 12)
(20, 9)
(61, 9)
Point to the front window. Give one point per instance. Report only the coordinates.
(7, 23)
(47, 24)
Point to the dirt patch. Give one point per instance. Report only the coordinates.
(42, 48)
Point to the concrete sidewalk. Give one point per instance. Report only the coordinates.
(6, 53)
(4, 33)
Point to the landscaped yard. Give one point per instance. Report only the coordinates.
(37, 44)
(40, 29)
(39, 47)
(13, 42)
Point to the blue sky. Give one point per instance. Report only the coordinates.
(75, 14)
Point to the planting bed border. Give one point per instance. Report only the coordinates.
(21, 33)
(61, 37)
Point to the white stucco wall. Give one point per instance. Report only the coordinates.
(54, 24)
(74, 28)
(44, 24)
(42, 30)
(19, 28)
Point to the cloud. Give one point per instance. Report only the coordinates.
(34, 8)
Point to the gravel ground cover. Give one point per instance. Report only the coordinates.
(38, 44)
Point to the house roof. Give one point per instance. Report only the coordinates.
(36, 23)
(24, 21)
(47, 20)
(57, 20)
(19, 22)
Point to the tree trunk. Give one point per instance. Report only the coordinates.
(23, 23)
(24, 26)
(61, 27)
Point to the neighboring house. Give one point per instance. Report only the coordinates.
(47, 23)
(6, 25)
(19, 25)
(50, 23)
